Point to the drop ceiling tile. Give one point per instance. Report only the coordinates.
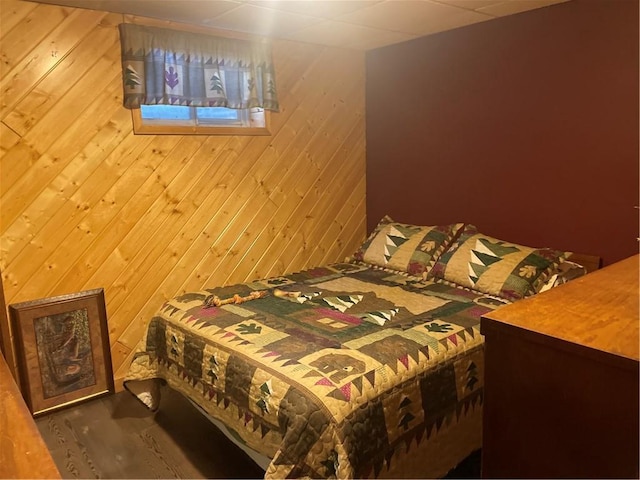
(340, 34)
(262, 21)
(176, 11)
(362, 24)
(470, 4)
(184, 8)
(511, 7)
(408, 16)
(374, 38)
(315, 8)
(374, 43)
(462, 19)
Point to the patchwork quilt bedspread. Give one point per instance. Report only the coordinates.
(339, 371)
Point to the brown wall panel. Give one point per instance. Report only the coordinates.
(525, 125)
(88, 204)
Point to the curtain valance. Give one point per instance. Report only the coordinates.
(170, 67)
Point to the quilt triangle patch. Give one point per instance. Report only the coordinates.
(380, 317)
(425, 351)
(407, 444)
(263, 405)
(485, 254)
(343, 302)
(429, 429)
(338, 394)
(497, 249)
(394, 239)
(470, 332)
(371, 377)
(484, 258)
(475, 272)
(394, 236)
(266, 387)
(346, 391)
(449, 419)
(388, 458)
(303, 297)
(312, 373)
(405, 361)
(357, 383)
(324, 381)
(406, 420)
(462, 335)
(256, 425)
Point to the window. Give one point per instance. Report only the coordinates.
(178, 119)
(178, 82)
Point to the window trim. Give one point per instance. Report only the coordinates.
(175, 127)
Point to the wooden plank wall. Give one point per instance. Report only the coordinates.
(85, 203)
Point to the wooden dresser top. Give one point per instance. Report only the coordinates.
(599, 311)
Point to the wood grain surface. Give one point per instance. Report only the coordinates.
(23, 453)
(87, 204)
(599, 311)
(117, 437)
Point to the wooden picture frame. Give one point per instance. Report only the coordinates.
(62, 350)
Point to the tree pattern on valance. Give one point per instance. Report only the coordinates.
(170, 67)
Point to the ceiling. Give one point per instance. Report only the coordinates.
(357, 24)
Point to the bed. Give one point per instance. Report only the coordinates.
(368, 368)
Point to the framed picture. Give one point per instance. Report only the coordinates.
(62, 347)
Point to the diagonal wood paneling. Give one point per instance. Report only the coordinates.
(87, 204)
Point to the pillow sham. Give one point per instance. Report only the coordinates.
(404, 247)
(495, 267)
(567, 271)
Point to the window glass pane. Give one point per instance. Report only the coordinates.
(216, 113)
(174, 119)
(169, 112)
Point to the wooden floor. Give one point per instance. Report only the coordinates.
(117, 437)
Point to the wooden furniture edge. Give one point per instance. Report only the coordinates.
(23, 453)
(493, 326)
(6, 336)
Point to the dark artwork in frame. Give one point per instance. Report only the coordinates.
(62, 348)
(64, 352)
